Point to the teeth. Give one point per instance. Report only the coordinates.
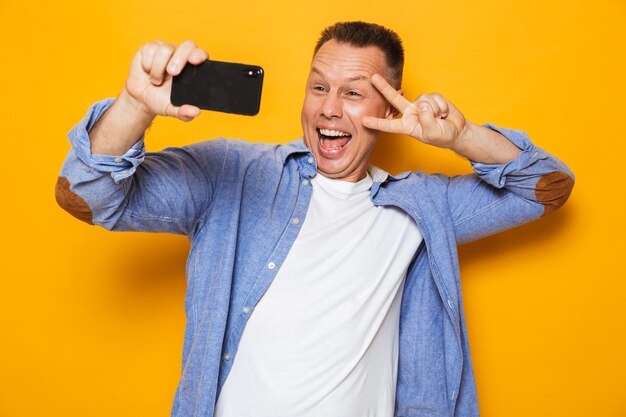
(331, 148)
(333, 133)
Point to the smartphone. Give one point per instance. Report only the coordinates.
(220, 86)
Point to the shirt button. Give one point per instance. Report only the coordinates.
(310, 160)
(246, 310)
(227, 357)
(118, 160)
(295, 220)
(271, 265)
(305, 182)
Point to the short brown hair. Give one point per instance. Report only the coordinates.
(363, 34)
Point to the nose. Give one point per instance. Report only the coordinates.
(331, 107)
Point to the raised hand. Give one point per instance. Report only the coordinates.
(431, 118)
(145, 95)
(434, 120)
(150, 79)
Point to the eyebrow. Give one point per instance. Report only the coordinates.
(349, 79)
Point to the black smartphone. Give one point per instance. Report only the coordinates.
(220, 86)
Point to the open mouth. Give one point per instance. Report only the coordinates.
(333, 140)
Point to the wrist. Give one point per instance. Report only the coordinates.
(482, 144)
(135, 112)
(464, 139)
(120, 126)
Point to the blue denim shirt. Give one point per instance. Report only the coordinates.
(236, 201)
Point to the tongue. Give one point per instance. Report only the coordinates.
(329, 142)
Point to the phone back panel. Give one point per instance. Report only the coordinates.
(220, 86)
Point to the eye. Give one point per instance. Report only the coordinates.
(353, 94)
(319, 88)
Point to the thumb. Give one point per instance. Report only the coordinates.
(384, 125)
(186, 112)
(370, 122)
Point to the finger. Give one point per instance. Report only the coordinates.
(442, 103)
(162, 56)
(391, 94)
(179, 59)
(431, 100)
(384, 125)
(198, 56)
(186, 112)
(428, 122)
(147, 55)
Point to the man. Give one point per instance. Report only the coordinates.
(318, 285)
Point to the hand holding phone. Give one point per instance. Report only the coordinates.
(149, 82)
(146, 94)
(219, 86)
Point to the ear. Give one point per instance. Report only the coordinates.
(392, 112)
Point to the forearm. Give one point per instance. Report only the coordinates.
(119, 127)
(485, 145)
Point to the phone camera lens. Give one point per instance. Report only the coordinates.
(252, 72)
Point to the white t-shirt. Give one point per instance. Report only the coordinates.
(323, 339)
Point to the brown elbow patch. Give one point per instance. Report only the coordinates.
(553, 190)
(72, 202)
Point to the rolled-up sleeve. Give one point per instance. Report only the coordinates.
(164, 191)
(121, 166)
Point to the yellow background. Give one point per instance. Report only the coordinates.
(92, 322)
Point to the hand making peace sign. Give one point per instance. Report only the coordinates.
(431, 118)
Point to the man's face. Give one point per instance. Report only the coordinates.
(338, 96)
